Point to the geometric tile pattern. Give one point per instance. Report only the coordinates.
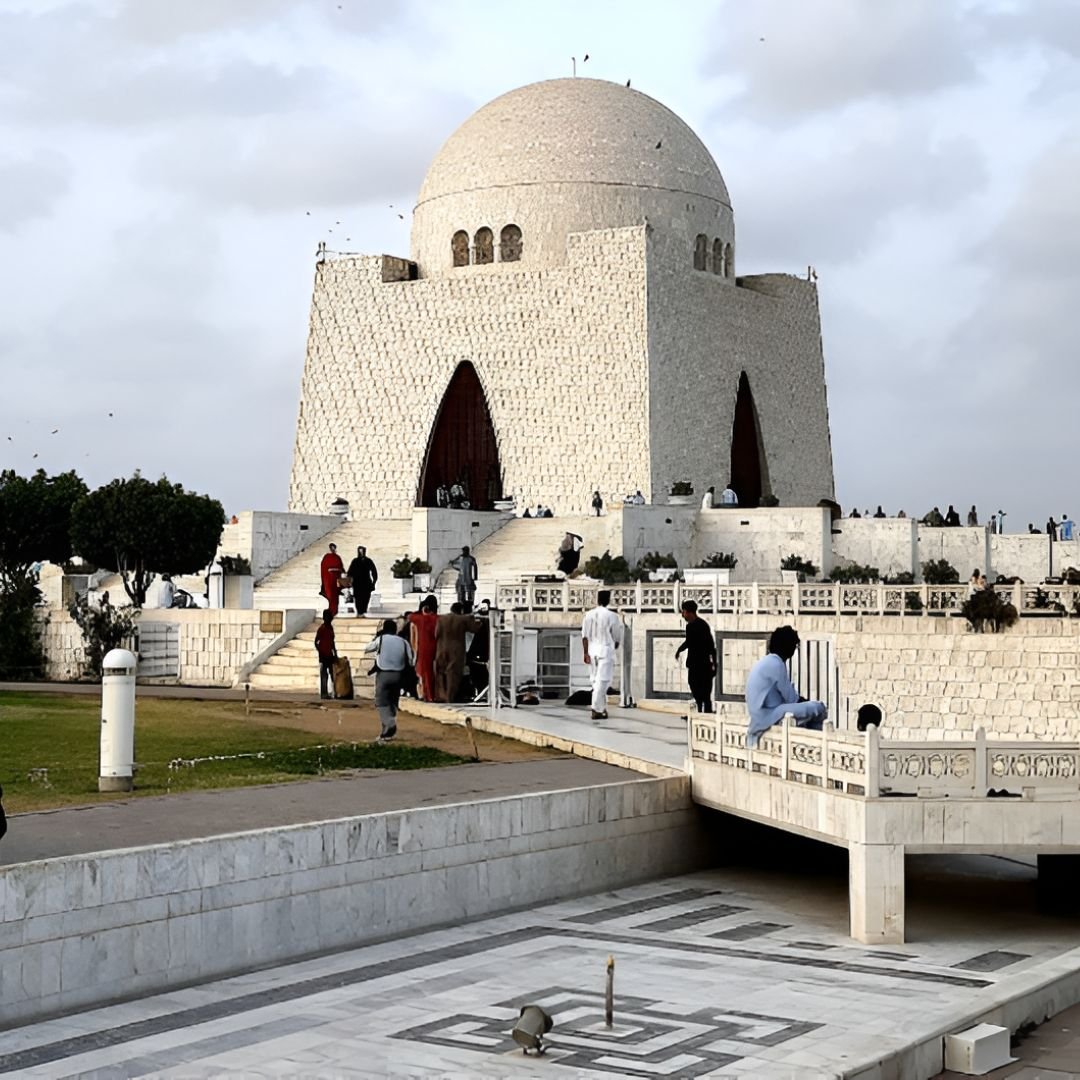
(648, 1038)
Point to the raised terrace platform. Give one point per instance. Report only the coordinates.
(883, 800)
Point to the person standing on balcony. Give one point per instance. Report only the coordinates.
(770, 695)
(700, 657)
(597, 502)
(728, 496)
(601, 635)
(708, 498)
(973, 517)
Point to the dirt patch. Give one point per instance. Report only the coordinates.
(357, 721)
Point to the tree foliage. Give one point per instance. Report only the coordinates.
(139, 528)
(35, 521)
(103, 628)
(940, 572)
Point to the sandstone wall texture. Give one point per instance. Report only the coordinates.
(560, 353)
(703, 334)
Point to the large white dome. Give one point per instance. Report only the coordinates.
(568, 155)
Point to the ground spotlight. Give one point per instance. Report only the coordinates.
(533, 1024)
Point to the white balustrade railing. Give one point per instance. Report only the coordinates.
(768, 599)
(864, 763)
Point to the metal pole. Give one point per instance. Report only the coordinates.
(609, 993)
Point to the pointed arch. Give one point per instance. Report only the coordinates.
(462, 448)
(749, 469)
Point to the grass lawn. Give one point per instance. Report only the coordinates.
(49, 747)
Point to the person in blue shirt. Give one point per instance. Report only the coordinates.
(770, 695)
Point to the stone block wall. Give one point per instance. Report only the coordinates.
(560, 352)
(702, 335)
(890, 544)
(763, 537)
(84, 930)
(214, 645)
(269, 539)
(965, 548)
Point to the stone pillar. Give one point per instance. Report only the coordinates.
(876, 893)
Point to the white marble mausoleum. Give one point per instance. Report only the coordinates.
(569, 319)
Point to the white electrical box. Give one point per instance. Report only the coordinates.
(978, 1050)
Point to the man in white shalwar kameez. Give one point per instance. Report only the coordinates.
(601, 635)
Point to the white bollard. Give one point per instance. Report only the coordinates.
(117, 721)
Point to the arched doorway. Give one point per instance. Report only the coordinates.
(462, 447)
(749, 477)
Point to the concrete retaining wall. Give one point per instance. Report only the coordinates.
(89, 929)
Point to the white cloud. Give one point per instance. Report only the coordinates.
(31, 186)
(798, 58)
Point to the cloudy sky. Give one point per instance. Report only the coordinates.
(159, 160)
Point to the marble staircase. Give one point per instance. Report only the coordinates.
(295, 667)
(296, 583)
(525, 547)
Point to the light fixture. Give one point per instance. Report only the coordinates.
(533, 1024)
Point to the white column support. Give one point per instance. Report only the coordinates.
(876, 893)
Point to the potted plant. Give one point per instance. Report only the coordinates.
(653, 566)
(402, 572)
(794, 568)
(681, 494)
(421, 572)
(608, 568)
(714, 569)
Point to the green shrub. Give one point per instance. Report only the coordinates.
(21, 653)
(912, 601)
(611, 570)
(402, 568)
(650, 561)
(905, 577)
(421, 566)
(103, 629)
(854, 574)
(768, 500)
(940, 572)
(719, 560)
(798, 564)
(234, 565)
(682, 487)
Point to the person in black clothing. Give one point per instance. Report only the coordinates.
(700, 657)
(952, 518)
(365, 577)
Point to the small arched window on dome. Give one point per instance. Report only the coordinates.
(701, 252)
(718, 263)
(459, 248)
(510, 244)
(483, 246)
(729, 260)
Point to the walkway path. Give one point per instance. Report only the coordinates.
(726, 973)
(157, 820)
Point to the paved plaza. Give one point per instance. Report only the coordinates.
(732, 972)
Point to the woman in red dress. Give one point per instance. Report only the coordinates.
(330, 570)
(422, 625)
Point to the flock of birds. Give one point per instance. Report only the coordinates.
(54, 431)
